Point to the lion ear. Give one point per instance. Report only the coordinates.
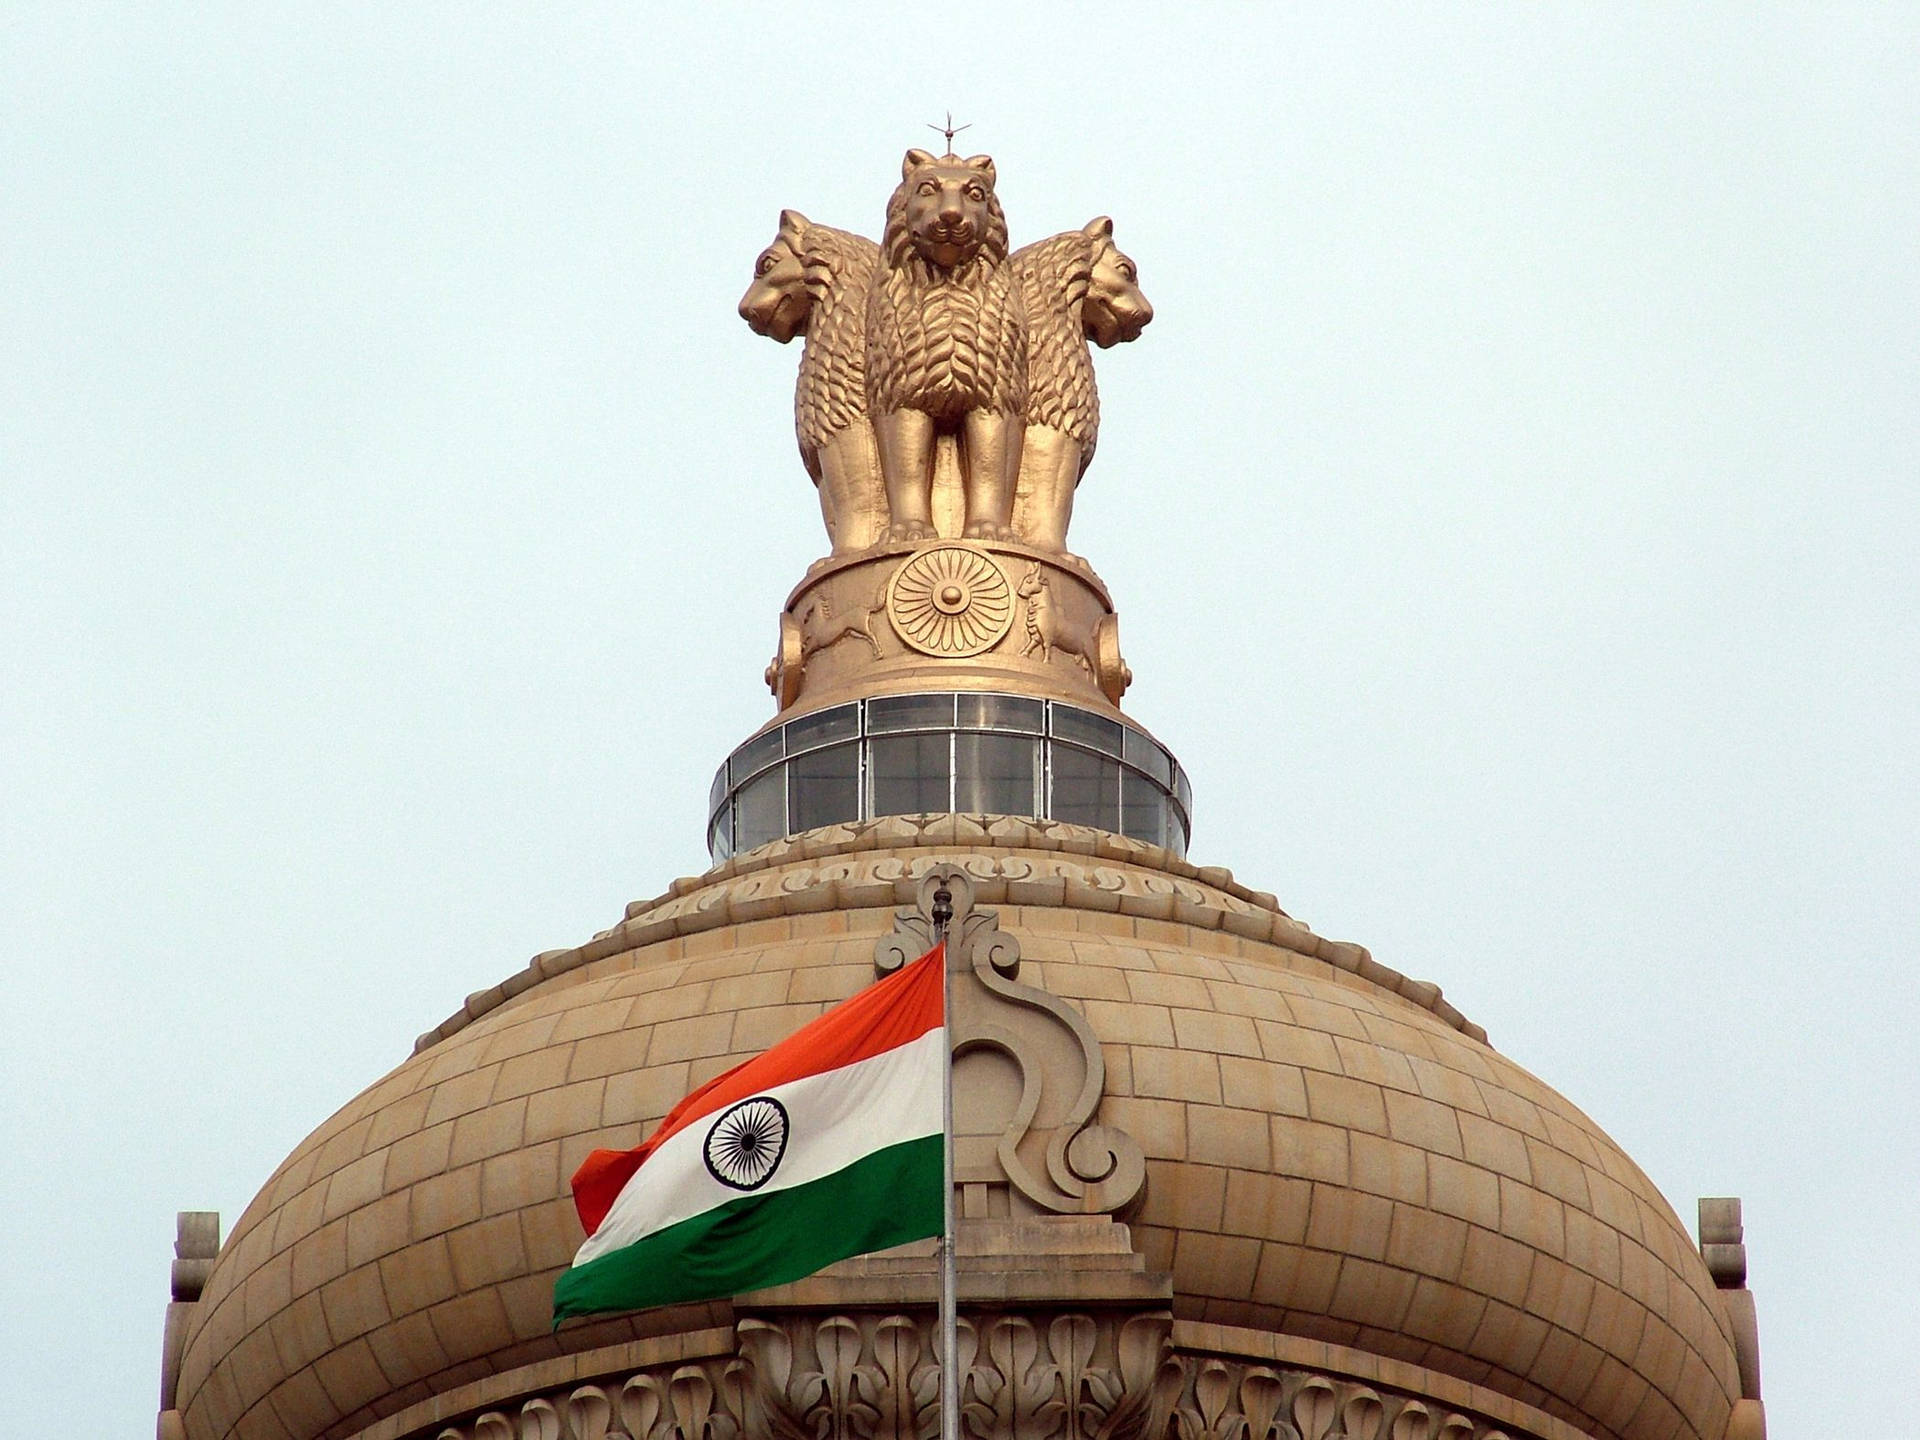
(792, 226)
(984, 164)
(915, 159)
(1099, 228)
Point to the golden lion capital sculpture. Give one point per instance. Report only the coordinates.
(940, 353)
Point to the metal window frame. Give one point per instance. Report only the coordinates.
(1175, 810)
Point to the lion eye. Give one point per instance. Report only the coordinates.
(927, 187)
(765, 267)
(976, 194)
(1128, 274)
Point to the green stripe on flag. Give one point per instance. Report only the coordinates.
(886, 1198)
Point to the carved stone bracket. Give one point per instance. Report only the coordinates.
(1038, 1052)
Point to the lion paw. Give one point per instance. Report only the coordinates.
(986, 530)
(910, 530)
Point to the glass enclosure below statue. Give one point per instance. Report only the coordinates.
(964, 753)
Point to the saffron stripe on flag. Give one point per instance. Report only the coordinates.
(889, 1013)
(833, 1119)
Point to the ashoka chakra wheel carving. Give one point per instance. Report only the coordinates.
(745, 1145)
(951, 601)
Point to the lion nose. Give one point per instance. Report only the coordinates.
(951, 213)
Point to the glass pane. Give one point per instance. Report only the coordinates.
(909, 774)
(996, 774)
(1182, 789)
(753, 755)
(718, 793)
(1086, 788)
(1001, 712)
(1176, 833)
(823, 727)
(721, 840)
(910, 712)
(1140, 751)
(762, 809)
(1087, 729)
(826, 787)
(1143, 809)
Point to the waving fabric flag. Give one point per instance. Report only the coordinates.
(826, 1146)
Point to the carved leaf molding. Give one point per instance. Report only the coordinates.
(1065, 1376)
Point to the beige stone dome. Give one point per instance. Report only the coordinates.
(1332, 1153)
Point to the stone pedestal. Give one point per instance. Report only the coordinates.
(899, 617)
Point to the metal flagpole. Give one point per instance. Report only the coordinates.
(949, 1316)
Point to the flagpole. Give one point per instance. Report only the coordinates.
(949, 1316)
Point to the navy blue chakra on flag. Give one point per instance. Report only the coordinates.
(744, 1146)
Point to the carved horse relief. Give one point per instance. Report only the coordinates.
(1028, 1072)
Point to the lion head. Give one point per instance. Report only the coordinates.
(778, 303)
(945, 211)
(1114, 311)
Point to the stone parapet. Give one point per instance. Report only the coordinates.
(1017, 862)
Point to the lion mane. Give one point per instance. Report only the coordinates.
(1054, 275)
(945, 341)
(831, 392)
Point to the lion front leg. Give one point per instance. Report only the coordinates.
(905, 439)
(992, 445)
(851, 491)
(1043, 498)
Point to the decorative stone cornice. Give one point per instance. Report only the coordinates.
(1027, 1374)
(1010, 861)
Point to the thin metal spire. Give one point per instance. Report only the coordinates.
(942, 916)
(949, 130)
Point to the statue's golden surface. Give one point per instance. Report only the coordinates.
(946, 409)
(946, 390)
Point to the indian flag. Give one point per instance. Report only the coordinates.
(826, 1146)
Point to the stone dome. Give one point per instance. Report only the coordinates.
(1333, 1156)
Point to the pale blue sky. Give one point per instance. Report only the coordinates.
(1512, 513)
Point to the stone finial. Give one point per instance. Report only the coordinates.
(197, 1242)
(1722, 1241)
(1723, 1246)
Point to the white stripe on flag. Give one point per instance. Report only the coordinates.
(834, 1118)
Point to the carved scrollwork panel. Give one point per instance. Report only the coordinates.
(1050, 1149)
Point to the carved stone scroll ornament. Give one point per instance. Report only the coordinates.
(1048, 1148)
